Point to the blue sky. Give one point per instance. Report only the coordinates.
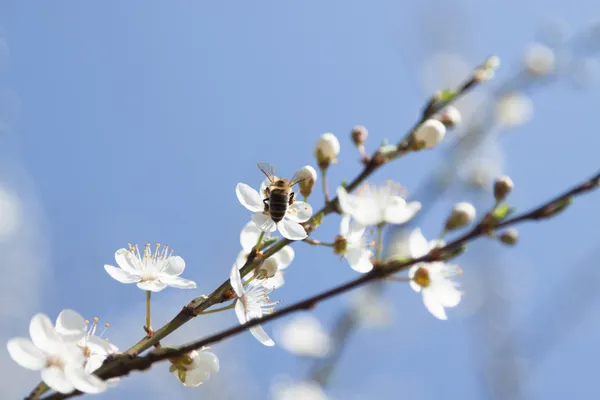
(133, 122)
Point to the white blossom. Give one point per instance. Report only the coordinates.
(429, 133)
(195, 368)
(354, 247)
(539, 59)
(304, 335)
(290, 226)
(61, 363)
(253, 302)
(375, 206)
(434, 282)
(151, 271)
(513, 109)
(307, 390)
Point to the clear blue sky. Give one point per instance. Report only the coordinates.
(137, 119)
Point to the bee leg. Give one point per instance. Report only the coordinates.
(292, 194)
(266, 203)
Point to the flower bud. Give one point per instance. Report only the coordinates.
(510, 237)
(339, 245)
(502, 187)
(450, 117)
(539, 60)
(327, 150)
(429, 134)
(267, 269)
(462, 214)
(306, 185)
(359, 135)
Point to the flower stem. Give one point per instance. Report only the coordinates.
(148, 319)
(216, 310)
(260, 238)
(318, 243)
(324, 182)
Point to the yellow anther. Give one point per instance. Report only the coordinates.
(95, 320)
(87, 321)
(107, 324)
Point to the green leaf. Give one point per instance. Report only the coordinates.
(181, 375)
(446, 95)
(501, 212)
(173, 368)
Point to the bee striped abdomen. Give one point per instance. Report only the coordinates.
(278, 204)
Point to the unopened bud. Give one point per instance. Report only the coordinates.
(510, 237)
(339, 245)
(493, 62)
(502, 187)
(462, 214)
(429, 134)
(268, 269)
(359, 135)
(306, 185)
(450, 117)
(327, 150)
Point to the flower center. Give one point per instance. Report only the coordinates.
(55, 361)
(422, 277)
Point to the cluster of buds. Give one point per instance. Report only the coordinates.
(486, 71)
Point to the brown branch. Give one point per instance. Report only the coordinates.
(121, 365)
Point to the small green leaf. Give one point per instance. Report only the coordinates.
(446, 95)
(181, 375)
(173, 368)
(501, 212)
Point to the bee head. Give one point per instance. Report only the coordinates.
(280, 183)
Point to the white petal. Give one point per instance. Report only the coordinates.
(84, 382)
(366, 210)
(418, 244)
(299, 212)
(259, 333)
(177, 282)
(152, 286)
(249, 236)
(447, 294)
(43, 334)
(398, 212)
(55, 378)
(240, 312)
(121, 275)
(195, 377)
(241, 259)
(128, 261)
(433, 305)
(249, 197)
(291, 230)
(436, 243)
(26, 354)
(359, 259)
(70, 326)
(355, 231)
(173, 266)
(94, 362)
(263, 222)
(236, 281)
(99, 346)
(207, 361)
(274, 282)
(345, 225)
(264, 185)
(284, 257)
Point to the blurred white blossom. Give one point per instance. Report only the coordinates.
(195, 368)
(306, 390)
(304, 335)
(513, 109)
(539, 59)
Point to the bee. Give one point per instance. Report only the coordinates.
(279, 195)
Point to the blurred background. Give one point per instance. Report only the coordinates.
(132, 122)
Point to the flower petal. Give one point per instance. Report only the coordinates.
(366, 210)
(448, 295)
(284, 257)
(26, 354)
(299, 212)
(173, 266)
(291, 230)
(152, 286)
(345, 225)
(355, 231)
(128, 261)
(359, 259)
(55, 378)
(43, 334)
(249, 236)
(259, 333)
(266, 183)
(99, 346)
(121, 275)
(418, 245)
(263, 222)
(236, 281)
(70, 326)
(397, 211)
(84, 382)
(206, 361)
(275, 282)
(433, 304)
(240, 312)
(249, 198)
(177, 282)
(241, 259)
(94, 362)
(195, 377)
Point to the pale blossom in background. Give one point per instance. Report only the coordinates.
(372, 205)
(60, 363)
(196, 368)
(253, 302)
(539, 60)
(152, 271)
(304, 390)
(369, 309)
(304, 335)
(513, 109)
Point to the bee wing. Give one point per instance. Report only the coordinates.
(268, 170)
(300, 176)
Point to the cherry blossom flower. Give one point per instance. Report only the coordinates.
(253, 302)
(375, 206)
(61, 363)
(352, 245)
(290, 226)
(306, 390)
(151, 271)
(195, 368)
(304, 336)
